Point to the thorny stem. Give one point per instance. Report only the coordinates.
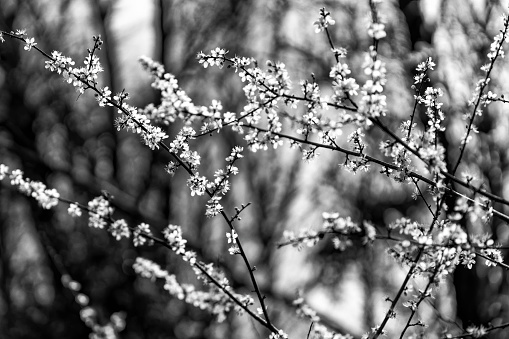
(267, 323)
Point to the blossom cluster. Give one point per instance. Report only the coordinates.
(263, 91)
(430, 149)
(373, 102)
(80, 77)
(100, 214)
(86, 77)
(175, 104)
(46, 197)
(99, 208)
(215, 300)
(426, 145)
(444, 249)
(221, 184)
(343, 85)
(377, 31)
(216, 280)
(325, 20)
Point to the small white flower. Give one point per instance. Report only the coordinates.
(197, 184)
(377, 31)
(29, 43)
(232, 237)
(138, 237)
(325, 20)
(234, 250)
(74, 210)
(119, 229)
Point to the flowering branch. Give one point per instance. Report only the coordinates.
(432, 250)
(496, 50)
(153, 136)
(100, 216)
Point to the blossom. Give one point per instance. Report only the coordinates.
(234, 250)
(59, 63)
(140, 235)
(99, 211)
(16, 177)
(20, 32)
(197, 184)
(29, 43)
(477, 331)
(173, 236)
(213, 207)
(74, 210)
(232, 237)
(148, 269)
(323, 21)
(46, 197)
(494, 256)
(377, 31)
(279, 335)
(119, 229)
(153, 136)
(171, 168)
(190, 257)
(216, 57)
(215, 300)
(104, 98)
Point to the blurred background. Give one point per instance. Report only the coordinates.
(67, 141)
